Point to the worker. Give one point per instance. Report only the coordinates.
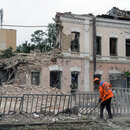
(105, 96)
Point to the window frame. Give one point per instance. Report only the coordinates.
(126, 46)
(39, 82)
(110, 46)
(60, 72)
(100, 46)
(73, 46)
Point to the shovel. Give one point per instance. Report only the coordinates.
(93, 109)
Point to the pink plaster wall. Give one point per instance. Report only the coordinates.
(106, 67)
(66, 64)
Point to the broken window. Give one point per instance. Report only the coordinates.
(74, 80)
(127, 47)
(128, 82)
(4, 75)
(115, 80)
(35, 78)
(96, 76)
(75, 41)
(113, 46)
(55, 79)
(98, 45)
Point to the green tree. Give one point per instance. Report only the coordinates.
(39, 39)
(6, 53)
(25, 47)
(42, 40)
(51, 34)
(45, 41)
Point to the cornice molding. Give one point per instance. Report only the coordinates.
(73, 20)
(79, 19)
(112, 23)
(107, 59)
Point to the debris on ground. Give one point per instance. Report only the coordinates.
(63, 121)
(16, 90)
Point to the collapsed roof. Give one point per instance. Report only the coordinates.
(20, 64)
(116, 13)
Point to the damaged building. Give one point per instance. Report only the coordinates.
(95, 46)
(27, 72)
(88, 46)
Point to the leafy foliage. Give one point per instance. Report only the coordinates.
(44, 41)
(127, 73)
(25, 47)
(51, 35)
(39, 40)
(6, 53)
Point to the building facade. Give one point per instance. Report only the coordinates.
(94, 46)
(88, 46)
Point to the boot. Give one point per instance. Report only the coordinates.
(110, 117)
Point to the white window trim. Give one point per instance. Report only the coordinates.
(99, 34)
(100, 72)
(113, 35)
(75, 68)
(75, 29)
(55, 68)
(114, 72)
(127, 36)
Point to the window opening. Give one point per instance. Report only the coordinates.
(127, 47)
(75, 41)
(55, 79)
(74, 81)
(113, 46)
(115, 80)
(128, 82)
(35, 78)
(98, 45)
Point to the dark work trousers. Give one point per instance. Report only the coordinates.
(106, 103)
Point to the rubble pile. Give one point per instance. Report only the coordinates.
(12, 90)
(31, 59)
(20, 66)
(22, 63)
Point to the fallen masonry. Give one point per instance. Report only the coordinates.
(19, 90)
(21, 63)
(15, 71)
(63, 121)
(39, 109)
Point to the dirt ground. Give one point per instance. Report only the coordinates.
(63, 121)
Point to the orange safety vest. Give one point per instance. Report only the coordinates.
(105, 91)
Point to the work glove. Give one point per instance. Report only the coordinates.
(100, 99)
